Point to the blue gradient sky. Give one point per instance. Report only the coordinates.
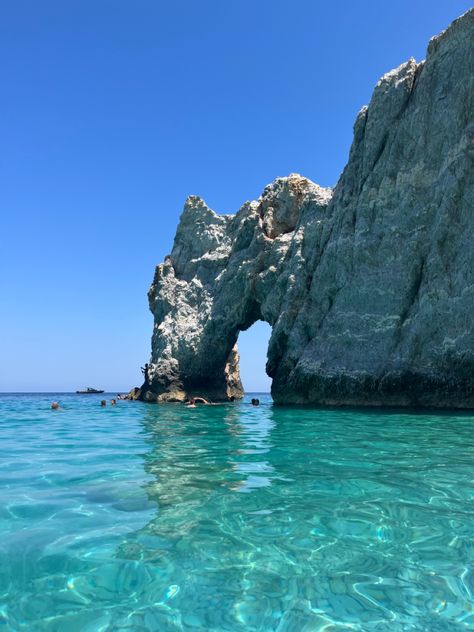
(112, 112)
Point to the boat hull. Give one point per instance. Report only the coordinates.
(88, 392)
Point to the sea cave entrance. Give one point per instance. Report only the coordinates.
(253, 347)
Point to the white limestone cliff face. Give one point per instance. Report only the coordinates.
(369, 288)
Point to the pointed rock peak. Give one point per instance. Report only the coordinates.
(196, 206)
(398, 75)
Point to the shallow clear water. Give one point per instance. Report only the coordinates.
(145, 517)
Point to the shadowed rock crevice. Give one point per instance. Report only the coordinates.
(368, 288)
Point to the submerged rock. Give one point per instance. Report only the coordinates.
(369, 288)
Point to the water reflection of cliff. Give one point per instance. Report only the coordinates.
(200, 460)
(304, 513)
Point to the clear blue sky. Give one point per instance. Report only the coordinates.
(112, 112)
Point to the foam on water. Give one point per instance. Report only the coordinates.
(231, 517)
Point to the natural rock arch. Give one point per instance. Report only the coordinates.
(368, 288)
(225, 273)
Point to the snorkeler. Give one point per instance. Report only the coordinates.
(196, 400)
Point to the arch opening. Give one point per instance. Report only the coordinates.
(253, 348)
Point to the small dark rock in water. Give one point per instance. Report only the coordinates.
(368, 287)
(134, 394)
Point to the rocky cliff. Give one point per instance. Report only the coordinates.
(368, 287)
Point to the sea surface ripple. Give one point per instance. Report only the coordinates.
(233, 518)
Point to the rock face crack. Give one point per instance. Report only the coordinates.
(368, 287)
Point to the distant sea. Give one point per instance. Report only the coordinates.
(233, 517)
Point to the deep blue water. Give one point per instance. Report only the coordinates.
(231, 517)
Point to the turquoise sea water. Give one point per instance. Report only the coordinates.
(236, 518)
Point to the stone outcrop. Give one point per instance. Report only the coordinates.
(368, 287)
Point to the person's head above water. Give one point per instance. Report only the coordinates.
(54, 405)
(103, 402)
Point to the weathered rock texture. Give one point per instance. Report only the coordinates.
(369, 287)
